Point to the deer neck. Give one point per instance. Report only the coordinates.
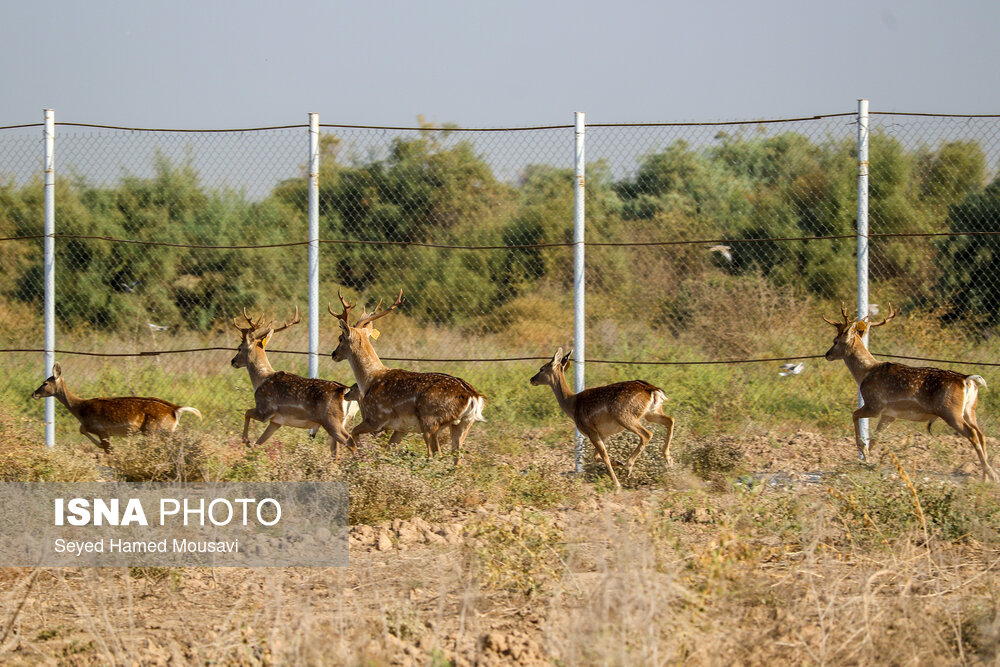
(259, 367)
(67, 398)
(564, 394)
(860, 361)
(365, 364)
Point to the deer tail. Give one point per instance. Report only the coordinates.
(179, 411)
(972, 384)
(350, 409)
(473, 409)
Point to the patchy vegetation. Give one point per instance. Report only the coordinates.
(508, 559)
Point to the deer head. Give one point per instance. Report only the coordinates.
(355, 338)
(353, 393)
(552, 370)
(255, 337)
(851, 332)
(52, 384)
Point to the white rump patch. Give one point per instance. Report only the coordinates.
(349, 408)
(473, 409)
(972, 384)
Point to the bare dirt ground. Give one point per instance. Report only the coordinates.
(695, 569)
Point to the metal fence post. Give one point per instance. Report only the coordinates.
(579, 286)
(863, 235)
(313, 245)
(49, 270)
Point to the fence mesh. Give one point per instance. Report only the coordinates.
(706, 242)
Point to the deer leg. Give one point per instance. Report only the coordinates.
(100, 442)
(644, 436)
(364, 427)
(668, 423)
(433, 444)
(602, 451)
(339, 436)
(247, 416)
(395, 438)
(864, 412)
(268, 432)
(458, 433)
(970, 419)
(973, 434)
(883, 423)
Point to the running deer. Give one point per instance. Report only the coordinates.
(101, 418)
(600, 412)
(892, 391)
(285, 399)
(399, 400)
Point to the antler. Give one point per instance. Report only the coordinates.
(285, 325)
(253, 325)
(375, 314)
(843, 311)
(347, 309)
(892, 313)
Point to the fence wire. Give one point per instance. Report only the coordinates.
(710, 246)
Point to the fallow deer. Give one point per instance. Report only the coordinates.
(285, 399)
(600, 412)
(101, 418)
(400, 400)
(893, 391)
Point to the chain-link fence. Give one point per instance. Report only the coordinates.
(708, 246)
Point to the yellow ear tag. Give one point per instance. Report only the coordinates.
(263, 342)
(375, 333)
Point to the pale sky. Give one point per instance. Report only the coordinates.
(205, 64)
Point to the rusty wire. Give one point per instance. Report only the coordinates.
(622, 362)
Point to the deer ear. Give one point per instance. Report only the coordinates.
(861, 327)
(557, 356)
(263, 340)
(344, 325)
(565, 359)
(56, 370)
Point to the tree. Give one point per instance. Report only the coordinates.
(968, 280)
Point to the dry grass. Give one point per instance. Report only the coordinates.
(615, 580)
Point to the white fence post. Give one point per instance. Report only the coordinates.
(49, 270)
(863, 234)
(313, 245)
(579, 286)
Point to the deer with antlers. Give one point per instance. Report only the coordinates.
(600, 412)
(400, 400)
(285, 399)
(101, 418)
(892, 391)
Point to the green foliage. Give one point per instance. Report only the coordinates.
(968, 280)
(432, 187)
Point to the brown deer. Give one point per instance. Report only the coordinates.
(600, 412)
(101, 418)
(285, 399)
(892, 391)
(400, 400)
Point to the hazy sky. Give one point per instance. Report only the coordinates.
(210, 64)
